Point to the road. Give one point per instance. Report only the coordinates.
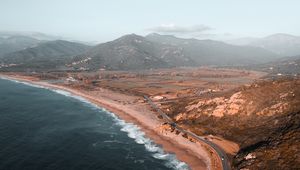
(221, 153)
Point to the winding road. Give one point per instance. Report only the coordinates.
(221, 153)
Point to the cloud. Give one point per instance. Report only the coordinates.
(174, 29)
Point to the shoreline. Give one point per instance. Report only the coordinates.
(195, 155)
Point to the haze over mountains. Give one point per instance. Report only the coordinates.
(281, 44)
(134, 52)
(15, 43)
(34, 35)
(210, 52)
(47, 55)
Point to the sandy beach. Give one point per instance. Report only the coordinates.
(133, 109)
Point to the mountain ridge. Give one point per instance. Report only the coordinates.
(280, 43)
(51, 54)
(170, 51)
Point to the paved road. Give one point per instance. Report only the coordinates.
(220, 152)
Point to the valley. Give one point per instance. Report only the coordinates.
(242, 111)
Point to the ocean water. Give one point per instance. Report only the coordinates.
(44, 129)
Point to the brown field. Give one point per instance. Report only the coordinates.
(168, 83)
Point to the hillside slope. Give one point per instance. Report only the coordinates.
(130, 52)
(46, 55)
(16, 43)
(209, 52)
(262, 118)
(133, 52)
(281, 44)
(287, 66)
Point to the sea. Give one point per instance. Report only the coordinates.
(47, 129)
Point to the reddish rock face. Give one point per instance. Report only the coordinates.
(262, 118)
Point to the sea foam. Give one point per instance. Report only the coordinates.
(132, 130)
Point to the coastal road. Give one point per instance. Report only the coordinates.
(221, 153)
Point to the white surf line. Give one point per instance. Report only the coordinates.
(132, 130)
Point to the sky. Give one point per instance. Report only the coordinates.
(104, 20)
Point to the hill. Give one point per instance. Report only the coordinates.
(209, 52)
(281, 44)
(52, 54)
(289, 66)
(129, 52)
(15, 43)
(262, 118)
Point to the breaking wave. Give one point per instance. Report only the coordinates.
(134, 132)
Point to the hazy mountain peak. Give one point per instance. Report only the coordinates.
(282, 44)
(129, 39)
(35, 35)
(164, 39)
(131, 36)
(159, 35)
(242, 41)
(153, 34)
(60, 42)
(51, 54)
(14, 43)
(281, 37)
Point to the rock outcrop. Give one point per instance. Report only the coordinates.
(263, 119)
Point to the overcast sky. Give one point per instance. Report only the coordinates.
(103, 20)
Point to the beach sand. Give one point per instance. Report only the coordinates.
(133, 109)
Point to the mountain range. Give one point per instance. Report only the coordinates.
(134, 52)
(281, 44)
(210, 52)
(34, 35)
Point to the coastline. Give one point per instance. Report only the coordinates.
(196, 155)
